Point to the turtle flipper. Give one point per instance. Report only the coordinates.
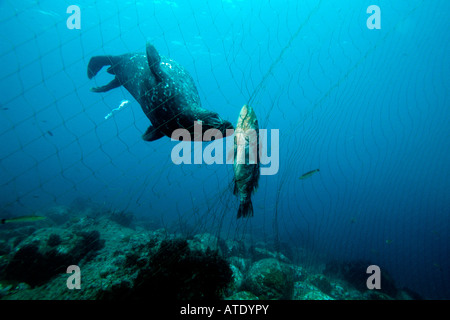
(154, 60)
(152, 134)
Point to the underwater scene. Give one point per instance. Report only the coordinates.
(224, 150)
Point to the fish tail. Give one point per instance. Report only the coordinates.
(245, 209)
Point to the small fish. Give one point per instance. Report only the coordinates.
(22, 219)
(246, 172)
(308, 174)
(50, 133)
(5, 108)
(388, 241)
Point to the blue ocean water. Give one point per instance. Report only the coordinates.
(369, 107)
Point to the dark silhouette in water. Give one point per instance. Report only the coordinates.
(308, 174)
(164, 89)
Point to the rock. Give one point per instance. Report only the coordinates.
(354, 272)
(58, 214)
(408, 294)
(376, 295)
(178, 272)
(270, 279)
(299, 273)
(337, 291)
(353, 294)
(301, 289)
(234, 248)
(320, 282)
(316, 295)
(202, 242)
(306, 291)
(122, 217)
(53, 240)
(5, 289)
(242, 263)
(36, 260)
(107, 273)
(259, 253)
(107, 270)
(242, 295)
(236, 281)
(4, 247)
(9, 288)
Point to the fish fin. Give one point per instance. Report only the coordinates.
(245, 209)
(152, 134)
(154, 59)
(113, 84)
